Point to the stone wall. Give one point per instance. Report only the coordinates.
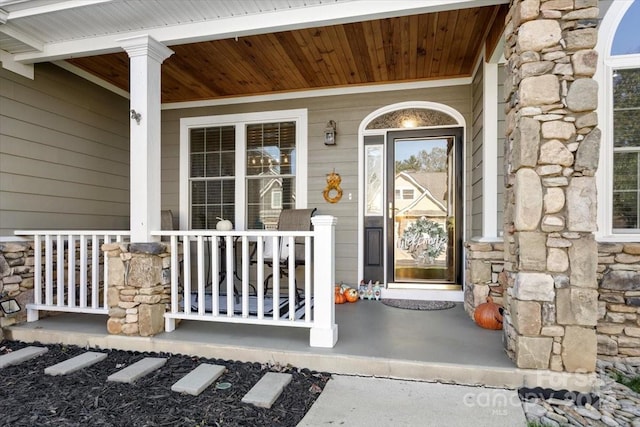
(484, 274)
(16, 278)
(619, 301)
(551, 158)
(139, 287)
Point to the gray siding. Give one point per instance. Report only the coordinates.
(348, 111)
(64, 153)
(477, 140)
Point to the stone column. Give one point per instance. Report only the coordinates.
(139, 289)
(550, 212)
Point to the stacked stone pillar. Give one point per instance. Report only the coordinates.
(552, 156)
(138, 287)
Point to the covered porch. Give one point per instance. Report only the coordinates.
(168, 101)
(375, 340)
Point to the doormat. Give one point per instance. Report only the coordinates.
(412, 304)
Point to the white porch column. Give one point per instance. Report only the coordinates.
(146, 55)
(324, 333)
(490, 153)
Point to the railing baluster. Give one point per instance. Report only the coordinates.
(186, 254)
(245, 276)
(95, 271)
(37, 274)
(215, 276)
(71, 279)
(276, 277)
(60, 270)
(260, 276)
(229, 274)
(33, 314)
(48, 270)
(307, 279)
(292, 277)
(84, 268)
(174, 274)
(105, 271)
(200, 255)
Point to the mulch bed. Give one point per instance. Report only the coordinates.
(85, 398)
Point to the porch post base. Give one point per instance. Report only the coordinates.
(169, 324)
(322, 337)
(32, 315)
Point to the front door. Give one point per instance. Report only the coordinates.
(424, 208)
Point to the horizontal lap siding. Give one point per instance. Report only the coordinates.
(64, 153)
(347, 111)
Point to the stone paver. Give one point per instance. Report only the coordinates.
(137, 370)
(21, 355)
(199, 379)
(76, 363)
(267, 390)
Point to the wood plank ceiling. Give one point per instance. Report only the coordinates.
(402, 49)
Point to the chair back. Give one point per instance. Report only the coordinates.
(166, 223)
(291, 220)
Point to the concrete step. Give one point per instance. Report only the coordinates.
(21, 355)
(137, 370)
(267, 390)
(75, 363)
(199, 379)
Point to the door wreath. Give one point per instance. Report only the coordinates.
(332, 192)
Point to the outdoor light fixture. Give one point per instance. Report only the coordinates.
(10, 306)
(136, 116)
(330, 133)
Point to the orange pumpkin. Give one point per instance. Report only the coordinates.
(488, 315)
(340, 298)
(351, 295)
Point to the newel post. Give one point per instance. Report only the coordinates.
(325, 330)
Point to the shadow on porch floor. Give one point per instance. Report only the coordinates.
(373, 340)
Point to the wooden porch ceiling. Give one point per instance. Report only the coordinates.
(402, 49)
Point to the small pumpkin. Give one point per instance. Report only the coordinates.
(340, 298)
(224, 224)
(351, 295)
(488, 315)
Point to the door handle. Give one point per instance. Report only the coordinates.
(391, 209)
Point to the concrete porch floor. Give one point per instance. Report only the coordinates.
(373, 340)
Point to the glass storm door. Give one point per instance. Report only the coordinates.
(424, 207)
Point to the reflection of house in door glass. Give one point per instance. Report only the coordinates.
(421, 205)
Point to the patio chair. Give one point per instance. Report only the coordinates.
(289, 220)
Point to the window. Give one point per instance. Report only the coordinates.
(404, 194)
(626, 148)
(271, 148)
(619, 174)
(242, 168)
(212, 175)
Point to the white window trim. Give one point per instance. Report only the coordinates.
(606, 64)
(299, 116)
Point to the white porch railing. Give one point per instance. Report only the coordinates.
(74, 270)
(226, 255)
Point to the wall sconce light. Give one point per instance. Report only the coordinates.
(136, 116)
(330, 133)
(10, 306)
